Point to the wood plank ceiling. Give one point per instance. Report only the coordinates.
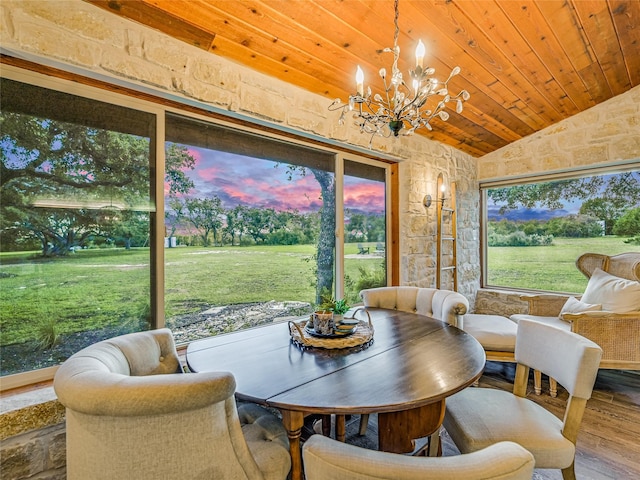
(526, 63)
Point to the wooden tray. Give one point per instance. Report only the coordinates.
(362, 335)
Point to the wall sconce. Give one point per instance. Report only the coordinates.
(427, 201)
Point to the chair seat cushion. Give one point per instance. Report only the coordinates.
(267, 440)
(494, 332)
(478, 417)
(553, 321)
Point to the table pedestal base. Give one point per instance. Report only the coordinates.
(397, 431)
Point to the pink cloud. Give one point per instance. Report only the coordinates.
(237, 179)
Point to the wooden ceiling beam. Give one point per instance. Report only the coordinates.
(158, 19)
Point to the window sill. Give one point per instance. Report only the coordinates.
(29, 408)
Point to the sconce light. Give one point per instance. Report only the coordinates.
(427, 201)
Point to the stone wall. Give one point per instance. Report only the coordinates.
(607, 134)
(32, 436)
(39, 454)
(72, 34)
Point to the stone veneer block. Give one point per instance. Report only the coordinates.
(36, 414)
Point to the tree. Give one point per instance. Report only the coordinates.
(236, 223)
(58, 175)
(325, 255)
(132, 229)
(617, 191)
(58, 230)
(628, 225)
(602, 209)
(259, 222)
(205, 214)
(326, 239)
(174, 215)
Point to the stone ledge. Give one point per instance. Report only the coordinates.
(29, 410)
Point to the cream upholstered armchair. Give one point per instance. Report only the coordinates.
(131, 414)
(478, 417)
(608, 312)
(327, 459)
(445, 305)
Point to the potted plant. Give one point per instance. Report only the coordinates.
(323, 317)
(340, 307)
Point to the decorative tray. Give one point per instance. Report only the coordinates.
(339, 331)
(360, 334)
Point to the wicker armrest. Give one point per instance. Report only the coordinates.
(618, 334)
(547, 305)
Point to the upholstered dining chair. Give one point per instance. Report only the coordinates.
(327, 459)
(478, 417)
(445, 305)
(132, 414)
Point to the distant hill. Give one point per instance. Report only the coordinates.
(525, 214)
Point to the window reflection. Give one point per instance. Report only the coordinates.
(76, 212)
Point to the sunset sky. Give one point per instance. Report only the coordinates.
(237, 179)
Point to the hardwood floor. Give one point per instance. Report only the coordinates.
(609, 440)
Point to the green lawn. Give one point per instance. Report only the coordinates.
(548, 268)
(94, 289)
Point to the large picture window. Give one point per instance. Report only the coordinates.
(76, 206)
(536, 231)
(252, 240)
(250, 220)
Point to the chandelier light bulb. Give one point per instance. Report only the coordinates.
(359, 81)
(420, 54)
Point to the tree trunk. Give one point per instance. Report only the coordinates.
(327, 237)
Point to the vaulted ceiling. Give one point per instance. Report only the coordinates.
(526, 63)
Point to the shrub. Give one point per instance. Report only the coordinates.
(628, 225)
(633, 240)
(575, 226)
(519, 239)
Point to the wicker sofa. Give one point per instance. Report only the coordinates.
(616, 332)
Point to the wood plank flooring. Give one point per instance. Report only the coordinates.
(609, 440)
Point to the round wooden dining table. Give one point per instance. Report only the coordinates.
(413, 364)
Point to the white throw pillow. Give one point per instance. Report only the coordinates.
(615, 294)
(573, 305)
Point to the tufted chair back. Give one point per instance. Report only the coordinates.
(444, 305)
(132, 414)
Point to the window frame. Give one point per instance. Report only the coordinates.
(160, 104)
(610, 168)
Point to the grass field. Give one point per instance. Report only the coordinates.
(94, 289)
(548, 268)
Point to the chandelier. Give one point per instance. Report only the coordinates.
(401, 108)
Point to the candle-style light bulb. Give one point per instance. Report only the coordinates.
(359, 81)
(420, 54)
